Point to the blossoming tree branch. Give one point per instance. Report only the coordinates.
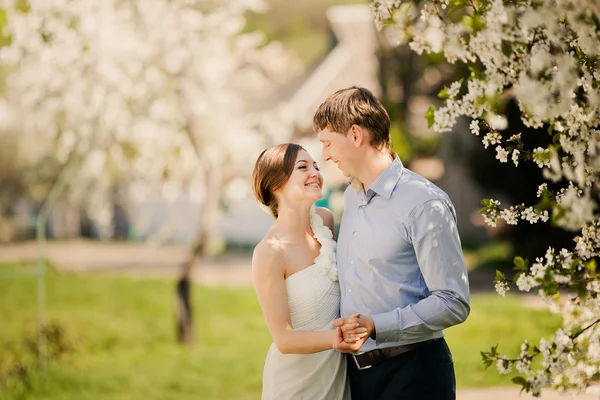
(545, 55)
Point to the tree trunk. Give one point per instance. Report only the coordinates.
(185, 332)
(210, 208)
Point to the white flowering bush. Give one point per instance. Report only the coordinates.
(544, 54)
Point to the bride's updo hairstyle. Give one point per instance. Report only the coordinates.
(271, 171)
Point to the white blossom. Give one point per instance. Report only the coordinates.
(474, 127)
(497, 122)
(515, 138)
(515, 157)
(491, 138)
(525, 282)
(541, 157)
(501, 154)
(503, 366)
(502, 288)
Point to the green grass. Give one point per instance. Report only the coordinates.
(123, 342)
(495, 320)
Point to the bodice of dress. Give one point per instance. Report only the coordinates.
(314, 293)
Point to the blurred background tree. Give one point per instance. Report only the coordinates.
(136, 101)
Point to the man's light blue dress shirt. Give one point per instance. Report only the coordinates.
(400, 260)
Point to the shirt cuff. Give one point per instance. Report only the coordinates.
(387, 327)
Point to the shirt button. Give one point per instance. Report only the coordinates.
(354, 233)
(352, 262)
(349, 290)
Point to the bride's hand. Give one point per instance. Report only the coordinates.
(351, 330)
(355, 327)
(347, 346)
(351, 336)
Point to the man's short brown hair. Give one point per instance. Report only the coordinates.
(355, 106)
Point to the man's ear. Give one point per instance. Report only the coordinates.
(357, 135)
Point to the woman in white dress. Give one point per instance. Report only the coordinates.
(295, 276)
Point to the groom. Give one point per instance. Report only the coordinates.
(399, 255)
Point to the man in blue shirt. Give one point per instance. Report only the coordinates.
(399, 256)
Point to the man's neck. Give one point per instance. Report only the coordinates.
(374, 164)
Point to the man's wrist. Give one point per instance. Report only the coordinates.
(371, 328)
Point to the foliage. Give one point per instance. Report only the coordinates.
(544, 55)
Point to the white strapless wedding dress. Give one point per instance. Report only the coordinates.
(314, 301)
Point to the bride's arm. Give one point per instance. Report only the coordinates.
(268, 270)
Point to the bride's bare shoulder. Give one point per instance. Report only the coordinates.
(270, 251)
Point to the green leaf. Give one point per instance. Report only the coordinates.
(477, 73)
(486, 202)
(467, 21)
(507, 49)
(520, 264)
(494, 350)
(443, 94)
(499, 277)
(487, 360)
(429, 116)
(519, 380)
(456, 5)
(556, 138)
(591, 266)
(517, 275)
(478, 22)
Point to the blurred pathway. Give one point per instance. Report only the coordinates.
(133, 259)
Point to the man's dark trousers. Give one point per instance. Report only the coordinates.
(424, 373)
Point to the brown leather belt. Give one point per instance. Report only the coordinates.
(374, 357)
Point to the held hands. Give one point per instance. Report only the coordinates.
(352, 332)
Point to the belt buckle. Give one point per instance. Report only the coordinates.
(358, 364)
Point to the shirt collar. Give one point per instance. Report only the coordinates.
(386, 182)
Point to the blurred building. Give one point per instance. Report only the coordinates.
(352, 61)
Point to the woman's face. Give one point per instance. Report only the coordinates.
(305, 182)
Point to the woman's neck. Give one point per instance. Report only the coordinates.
(296, 219)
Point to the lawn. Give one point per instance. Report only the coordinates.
(120, 340)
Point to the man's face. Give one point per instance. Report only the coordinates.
(338, 148)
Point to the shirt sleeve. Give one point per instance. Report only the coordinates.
(433, 233)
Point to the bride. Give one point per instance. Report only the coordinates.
(295, 276)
